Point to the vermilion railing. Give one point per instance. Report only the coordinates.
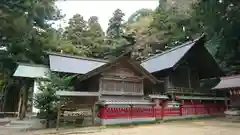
(143, 112)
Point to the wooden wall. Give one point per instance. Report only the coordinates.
(121, 79)
(184, 76)
(91, 85)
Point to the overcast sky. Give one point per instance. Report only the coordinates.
(101, 8)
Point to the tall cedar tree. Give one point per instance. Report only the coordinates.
(96, 37)
(76, 33)
(114, 36)
(115, 29)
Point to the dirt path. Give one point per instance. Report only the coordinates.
(196, 127)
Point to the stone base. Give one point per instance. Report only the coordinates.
(191, 116)
(151, 119)
(232, 115)
(126, 120)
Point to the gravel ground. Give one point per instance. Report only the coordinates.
(194, 127)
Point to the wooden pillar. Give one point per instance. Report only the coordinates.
(162, 114)
(154, 111)
(180, 107)
(93, 113)
(131, 111)
(226, 101)
(189, 78)
(194, 107)
(58, 115)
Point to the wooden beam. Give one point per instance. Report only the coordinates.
(125, 79)
(76, 93)
(121, 93)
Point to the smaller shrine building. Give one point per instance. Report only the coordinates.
(230, 86)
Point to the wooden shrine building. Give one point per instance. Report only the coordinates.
(164, 86)
(230, 85)
(121, 83)
(183, 67)
(119, 80)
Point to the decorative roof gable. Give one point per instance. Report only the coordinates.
(125, 57)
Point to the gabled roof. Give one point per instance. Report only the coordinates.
(138, 67)
(169, 58)
(73, 64)
(228, 82)
(31, 71)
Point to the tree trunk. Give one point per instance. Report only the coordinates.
(20, 104)
(24, 103)
(5, 93)
(4, 97)
(23, 99)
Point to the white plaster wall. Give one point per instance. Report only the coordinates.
(35, 91)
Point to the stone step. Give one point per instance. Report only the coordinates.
(20, 122)
(28, 124)
(4, 121)
(17, 127)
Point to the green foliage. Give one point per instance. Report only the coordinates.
(135, 17)
(138, 25)
(170, 26)
(85, 38)
(46, 100)
(76, 33)
(115, 41)
(24, 32)
(96, 37)
(220, 20)
(115, 25)
(156, 31)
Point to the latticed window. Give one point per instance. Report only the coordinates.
(121, 86)
(108, 85)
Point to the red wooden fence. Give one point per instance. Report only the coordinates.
(143, 112)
